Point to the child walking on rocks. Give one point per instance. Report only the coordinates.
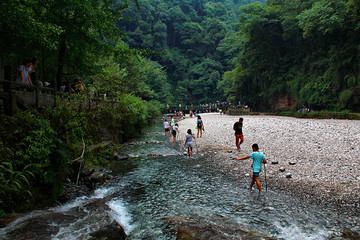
(199, 126)
(258, 158)
(174, 131)
(189, 143)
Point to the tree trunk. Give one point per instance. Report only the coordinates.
(2, 75)
(61, 60)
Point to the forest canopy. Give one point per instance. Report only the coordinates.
(274, 54)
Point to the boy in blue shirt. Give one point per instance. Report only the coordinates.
(258, 158)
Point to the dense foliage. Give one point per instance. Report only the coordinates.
(71, 39)
(37, 147)
(191, 35)
(306, 51)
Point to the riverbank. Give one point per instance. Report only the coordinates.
(321, 156)
(297, 114)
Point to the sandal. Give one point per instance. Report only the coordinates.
(261, 194)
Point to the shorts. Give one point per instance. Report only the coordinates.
(256, 174)
(189, 144)
(167, 130)
(173, 132)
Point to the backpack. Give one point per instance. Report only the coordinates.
(199, 123)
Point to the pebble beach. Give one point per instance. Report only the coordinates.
(314, 159)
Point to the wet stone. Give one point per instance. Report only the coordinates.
(288, 175)
(239, 207)
(110, 232)
(118, 157)
(282, 169)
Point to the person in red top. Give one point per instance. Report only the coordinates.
(238, 133)
(77, 87)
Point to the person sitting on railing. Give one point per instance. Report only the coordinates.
(22, 75)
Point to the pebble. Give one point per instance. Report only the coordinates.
(282, 169)
(239, 207)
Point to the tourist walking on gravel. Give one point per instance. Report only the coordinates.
(258, 159)
(238, 133)
(199, 126)
(167, 128)
(172, 122)
(189, 142)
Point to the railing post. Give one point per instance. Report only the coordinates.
(10, 102)
(12, 99)
(55, 93)
(37, 95)
(7, 105)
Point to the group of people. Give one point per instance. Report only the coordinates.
(171, 127)
(189, 136)
(75, 87)
(257, 156)
(25, 73)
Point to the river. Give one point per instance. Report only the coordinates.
(159, 187)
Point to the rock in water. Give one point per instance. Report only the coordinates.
(282, 169)
(288, 175)
(350, 234)
(112, 231)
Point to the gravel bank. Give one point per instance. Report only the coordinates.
(324, 154)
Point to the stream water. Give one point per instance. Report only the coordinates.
(150, 190)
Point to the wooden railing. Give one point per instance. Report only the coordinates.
(15, 96)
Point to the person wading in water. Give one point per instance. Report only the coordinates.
(258, 159)
(238, 133)
(189, 142)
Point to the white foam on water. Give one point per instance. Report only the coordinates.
(293, 232)
(80, 201)
(103, 192)
(79, 229)
(121, 215)
(72, 204)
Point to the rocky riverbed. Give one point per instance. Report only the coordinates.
(316, 160)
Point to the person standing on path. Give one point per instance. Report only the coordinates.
(258, 159)
(189, 143)
(174, 131)
(172, 122)
(238, 133)
(199, 126)
(167, 128)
